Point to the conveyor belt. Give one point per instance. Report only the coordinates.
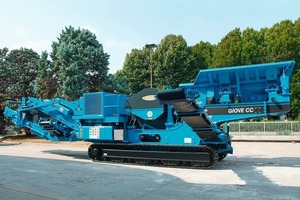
(189, 111)
(195, 120)
(183, 106)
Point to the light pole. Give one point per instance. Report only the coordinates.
(150, 47)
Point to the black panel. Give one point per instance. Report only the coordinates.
(159, 123)
(161, 155)
(278, 108)
(168, 95)
(93, 104)
(146, 98)
(231, 110)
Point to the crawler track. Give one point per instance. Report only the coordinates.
(154, 155)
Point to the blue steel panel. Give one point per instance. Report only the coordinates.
(148, 113)
(243, 84)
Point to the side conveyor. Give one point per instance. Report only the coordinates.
(190, 112)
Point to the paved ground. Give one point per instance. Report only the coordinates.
(63, 171)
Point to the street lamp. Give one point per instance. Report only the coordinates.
(150, 47)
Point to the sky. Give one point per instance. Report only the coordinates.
(123, 25)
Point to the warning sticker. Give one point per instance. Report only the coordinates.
(94, 133)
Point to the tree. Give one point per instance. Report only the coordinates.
(22, 67)
(3, 53)
(252, 47)
(295, 82)
(18, 70)
(136, 69)
(202, 55)
(296, 33)
(117, 84)
(45, 84)
(281, 41)
(228, 51)
(263, 51)
(173, 62)
(4, 85)
(3, 76)
(80, 63)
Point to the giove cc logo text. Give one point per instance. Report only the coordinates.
(241, 110)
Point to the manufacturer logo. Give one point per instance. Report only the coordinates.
(243, 110)
(149, 98)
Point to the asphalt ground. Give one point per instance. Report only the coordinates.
(44, 170)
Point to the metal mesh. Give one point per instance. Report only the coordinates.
(93, 104)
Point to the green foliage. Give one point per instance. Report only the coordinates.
(281, 41)
(228, 51)
(172, 61)
(22, 68)
(202, 55)
(116, 84)
(45, 85)
(252, 47)
(3, 53)
(18, 70)
(80, 63)
(3, 76)
(289, 50)
(4, 84)
(136, 70)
